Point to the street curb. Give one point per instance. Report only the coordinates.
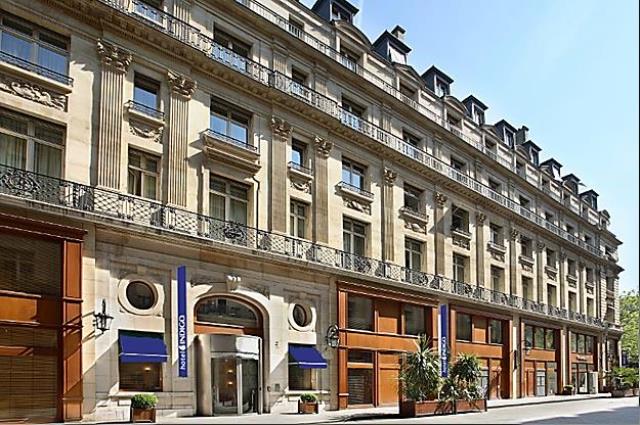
(533, 403)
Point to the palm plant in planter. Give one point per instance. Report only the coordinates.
(143, 408)
(420, 379)
(461, 388)
(308, 403)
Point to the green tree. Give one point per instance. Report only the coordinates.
(629, 318)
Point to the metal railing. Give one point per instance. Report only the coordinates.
(35, 68)
(228, 139)
(145, 110)
(103, 204)
(300, 168)
(355, 189)
(185, 33)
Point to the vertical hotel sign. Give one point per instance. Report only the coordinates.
(444, 340)
(182, 322)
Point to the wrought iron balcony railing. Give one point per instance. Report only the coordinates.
(185, 33)
(102, 204)
(35, 68)
(300, 168)
(228, 139)
(143, 109)
(355, 189)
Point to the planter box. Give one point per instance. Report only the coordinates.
(412, 409)
(143, 415)
(464, 406)
(623, 393)
(307, 407)
(636, 391)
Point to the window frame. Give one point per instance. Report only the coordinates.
(456, 266)
(149, 85)
(459, 317)
(412, 248)
(353, 234)
(354, 168)
(295, 217)
(229, 197)
(143, 173)
(371, 320)
(221, 109)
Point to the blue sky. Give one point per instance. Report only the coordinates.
(567, 69)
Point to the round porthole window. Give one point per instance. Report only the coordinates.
(140, 295)
(300, 316)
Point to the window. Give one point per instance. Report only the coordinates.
(497, 279)
(524, 202)
(590, 307)
(539, 338)
(459, 219)
(414, 320)
(459, 267)
(520, 170)
(581, 344)
(31, 144)
(412, 198)
(33, 44)
(551, 295)
(338, 13)
(551, 258)
(144, 174)
(299, 379)
(413, 254)
(299, 83)
(527, 288)
(442, 88)
(353, 237)
(571, 267)
(140, 376)
(478, 115)
(549, 216)
(495, 331)
(296, 28)
(352, 107)
(359, 313)
(495, 233)
(145, 91)
(526, 246)
(495, 185)
(588, 240)
(149, 9)
(528, 336)
(228, 121)
(574, 342)
(550, 339)
(573, 305)
(298, 153)
(458, 165)
(231, 43)
(228, 200)
(570, 229)
(301, 316)
(508, 137)
(298, 219)
(463, 327)
(140, 295)
(351, 58)
(588, 344)
(414, 144)
(225, 311)
(590, 275)
(353, 174)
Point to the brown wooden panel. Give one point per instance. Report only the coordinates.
(37, 310)
(72, 269)
(379, 342)
(201, 328)
(390, 294)
(388, 316)
(389, 360)
(480, 350)
(581, 358)
(343, 387)
(479, 329)
(388, 387)
(541, 355)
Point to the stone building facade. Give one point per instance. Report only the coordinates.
(328, 201)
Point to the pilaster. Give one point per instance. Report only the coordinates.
(513, 262)
(562, 270)
(280, 134)
(388, 239)
(481, 218)
(539, 291)
(111, 152)
(439, 222)
(321, 190)
(181, 89)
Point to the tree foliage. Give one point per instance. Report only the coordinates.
(421, 373)
(629, 318)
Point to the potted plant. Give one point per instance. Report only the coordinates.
(308, 403)
(568, 390)
(463, 388)
(420, 379)
(143, 408)
(624, 382)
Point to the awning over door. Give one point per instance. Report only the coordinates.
(306, 357)
(142, 348)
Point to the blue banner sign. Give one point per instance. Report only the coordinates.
(182, 322)
(444, 340)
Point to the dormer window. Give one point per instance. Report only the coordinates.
(396, 56)
(478, 115)
(509, 137)
(534, 157)
(338, 13)
(442, 88)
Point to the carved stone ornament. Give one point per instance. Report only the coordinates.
(32, 92)
(414, 225)
(481, 218)
(461, 242)
(514, 234)
(114, 56)
(323, 146)
(357, 205)
(181, 85)
(145, 131)
(441, 199)
(498, 256)
(390, 176)
(541, 246)
(301, 185)
(280, 128)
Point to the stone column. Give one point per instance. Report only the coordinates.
(562, 280)
(280, 134)
(439, 222)
(321, 190)
(111, 152)
(388, 214)
(480, 248)
(513, 262)
(540, 287)
(181, 89)
(582, 292)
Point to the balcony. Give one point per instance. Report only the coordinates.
(189, 35)
(300, 177)
(572, 280)
(414, 219)
(36, 69)
(527, 262)
(145, 112)
(551, 272)
(19, 187)
(227, 150)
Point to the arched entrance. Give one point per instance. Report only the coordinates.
(229, 356)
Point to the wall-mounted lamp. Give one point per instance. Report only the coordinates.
(101, 320)
(332, 337)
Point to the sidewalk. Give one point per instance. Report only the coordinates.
(494, 404)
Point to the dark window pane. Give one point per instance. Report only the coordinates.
(550, 339)
(528, 336)
(414, 320)
(495, 327)
(463, 327)
(52, 60)
(539, 338)
(360, 313)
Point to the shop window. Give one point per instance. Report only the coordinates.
(141, 376)
(589, 344)
(528, 337)
(300, 379)
(226, 311)
(581, 344)
(414, 320)
(360, 313)
(550, 339)
(484, 381)
(495, 331)
(360, 377)
(573, 341)
(539, 338)
(463, 327)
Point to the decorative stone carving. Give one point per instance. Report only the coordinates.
(496, 255)
(441, 199)
(355, 204)
(461, 242)
(390, 176)
(413, 220)
(480, 218)
(33, 92)
(513, 233)
(114, 56)
(280, 128)
(541, 245)
(323, 147)
(181, 85)
(301, 185)
(145, 131)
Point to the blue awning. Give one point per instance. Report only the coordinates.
(306, 357)
(142, 348)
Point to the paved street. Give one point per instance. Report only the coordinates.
(599, 411)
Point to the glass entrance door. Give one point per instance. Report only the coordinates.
(225, 385)
(249, 386)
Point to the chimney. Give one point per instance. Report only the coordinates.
(522, 135)
(398, 32)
